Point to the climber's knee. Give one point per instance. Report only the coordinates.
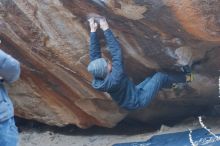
(160, 75)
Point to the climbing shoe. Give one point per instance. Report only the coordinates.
(189, 77)
(188, 71)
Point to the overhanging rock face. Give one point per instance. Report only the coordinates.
(50, 38)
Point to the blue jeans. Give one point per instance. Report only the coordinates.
(152, 85)
(8, 133)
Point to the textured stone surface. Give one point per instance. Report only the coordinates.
(50, 38)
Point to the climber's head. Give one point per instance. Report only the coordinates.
(100, 67)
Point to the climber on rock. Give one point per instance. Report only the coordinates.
(9, 72)
(110, 76)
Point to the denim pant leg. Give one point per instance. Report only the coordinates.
(8, 133)
(158, 81)
(142, 84)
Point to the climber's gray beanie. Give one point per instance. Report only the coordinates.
(99, 68)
